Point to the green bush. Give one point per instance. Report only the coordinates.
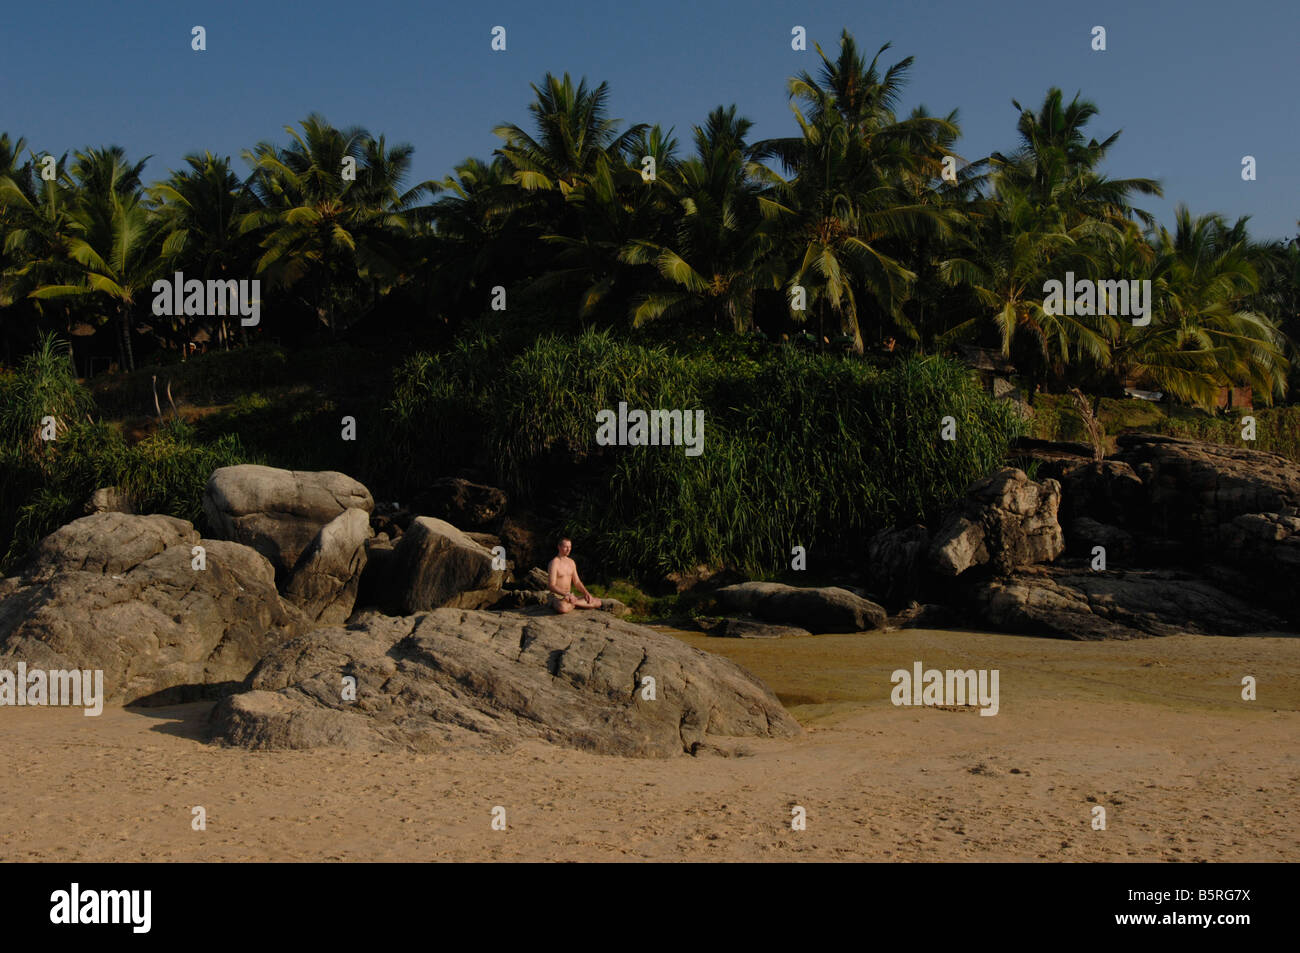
(807, 449)
(44, 484)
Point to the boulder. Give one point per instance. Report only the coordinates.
(109, 499)
(325, 581)
(1192, 487)
(278, 512)
(895, 561)
(454, 676)
(1082, 534)
(1262, 553)
(524, 543)
(829, 609)
(1086, 605)
(703, 579)
(1055, 458)
(496, 599)
(376, 583)
(461, 502)
(1007, 521)
(119, 593)
(928, 615)
(486, 540)
(433, 563)
(752, 629)
(1107, 491)
(390, 519)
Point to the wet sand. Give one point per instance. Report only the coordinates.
(1155, 731)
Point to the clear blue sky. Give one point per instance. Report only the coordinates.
(1194, 84)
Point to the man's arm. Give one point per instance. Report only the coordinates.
(578, 582)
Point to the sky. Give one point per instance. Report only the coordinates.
(1195, 85)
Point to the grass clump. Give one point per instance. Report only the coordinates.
(799, 449)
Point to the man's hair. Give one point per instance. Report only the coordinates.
(562, 539)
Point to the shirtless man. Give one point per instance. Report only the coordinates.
(564, 576)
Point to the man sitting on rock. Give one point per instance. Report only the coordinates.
(563, 577)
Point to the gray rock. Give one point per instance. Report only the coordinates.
(1007, 521)
(1086, 605)
(468, 678)
(1262, 551)
(1107, 491)
(325, 581)
(461, 502)
(895, 560)
(1082, 534)
(829, 609)
(118, 593)
(278, 512)
(434, 562)
(109, 499)
(486, 540)
(751, 629)
(1193, 487)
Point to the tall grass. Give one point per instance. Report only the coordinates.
(44, 483)
(799, 449)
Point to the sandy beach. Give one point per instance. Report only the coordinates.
(1155, 731)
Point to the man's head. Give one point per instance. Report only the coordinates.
(564, 546)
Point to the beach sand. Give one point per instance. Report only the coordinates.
(1155, 731)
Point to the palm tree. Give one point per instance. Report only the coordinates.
(716, 255)
(475, 238)
(37, 216)
(1049, 211)
(199, 211)
(847, 205)
(1202, 335)
(322, 229)
(112, 241)
(574, 130)
(1018, 246)
(1055, 165)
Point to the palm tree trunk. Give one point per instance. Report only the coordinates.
(126, 336)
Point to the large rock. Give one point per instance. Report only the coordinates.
(895, 561)
(462, 503)
(118, 593)
(751, 629)
(278, 512)
(1083, 535)
(324, 583)
(831, 609)
(458, 676)
(109, 499)
(1107, 491)
(1193, 488)
(1073, 604)
(433, 563)
(1262, 555)
(1007, 521)
(524, 542)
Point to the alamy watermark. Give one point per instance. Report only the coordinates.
(652, 428)
(1089, 298)
(951, 687)
(178, 296)
(62, 687)
(75, 906)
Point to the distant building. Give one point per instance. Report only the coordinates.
(1235, 398)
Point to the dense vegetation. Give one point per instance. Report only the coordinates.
(812, 450)
(806, 292)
